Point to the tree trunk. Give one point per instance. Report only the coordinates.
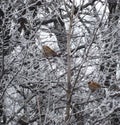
(78, 114)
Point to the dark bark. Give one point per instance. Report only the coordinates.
(60, 32)
(78, 114)
(115, 117)
(112, 5)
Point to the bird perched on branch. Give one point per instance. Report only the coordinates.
(93, 86)
(48, 52)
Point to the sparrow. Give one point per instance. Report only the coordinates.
(48, 52)
(93, 86)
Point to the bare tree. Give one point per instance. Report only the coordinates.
(50, 87)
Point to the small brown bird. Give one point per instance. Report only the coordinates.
(93, 86)
(48, 52)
